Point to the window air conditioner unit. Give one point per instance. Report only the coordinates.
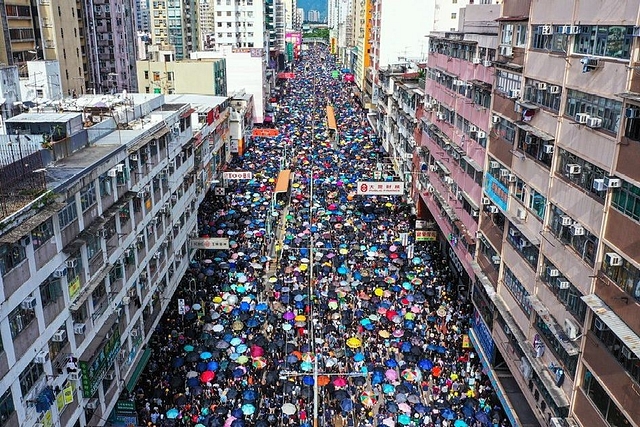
(481, 134)
(582, 118)
(110, 376)
(541, 86)
(475, 213)
(563, 284)
(504, 172)
(556, 422)
(495, 119)
(72, 263)
(119, 167)
(495, 259)
(492, 209)
(529, 139)
(79, 328)
(477, 60)
(594, 122)
(599, 324)
(514, 93)
(156, 255)
(28, 304)
(613, 259)
(554, 90)
(513, 232)
(24, 242)
(566, 220)
(486, 63)
(521, 213)
(632, 113)
(75, 376)
(493, 164)
(92, 404)
(133, 157)
(627, 353)
(473, 128)
(141, 238)
(112, 173)
(42, 357)
(448, 180)
(546, 30)
(126, 300)
(134, 333)
(440, 116)
(59, 336)
(598, 184)
(506, 51)
(577, 229)
(573, 169)
(512, 178)
(486, 201)
(571, 329)
(552, 272)
(61, 272)
(547, 149)
(612, 182)
(457, 82)
(140, 195)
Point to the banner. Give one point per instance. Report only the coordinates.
(238, 175)
(209, 243)
(377, 188)
(264, 132)
(426, 235)
(74, 288)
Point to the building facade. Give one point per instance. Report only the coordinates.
(92, 254)
(169, 77)
(175, 23)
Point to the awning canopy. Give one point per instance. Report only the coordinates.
(472, 163)
(282, 184)
(29, 224)
(480, 83)
(535, 132)
(119, 204)
(160, 132)
(556, 329)
(522, 228)
(187, 113)
(613, 322)
(90, 287)
(443, 167)
(144, 359)
(469, 200)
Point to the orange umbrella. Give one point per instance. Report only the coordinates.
(323, 380)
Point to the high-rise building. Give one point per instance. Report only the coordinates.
(176, 23)
(143, 17)
(313, 16)
(238, 25)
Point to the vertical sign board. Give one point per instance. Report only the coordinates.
(181, 307)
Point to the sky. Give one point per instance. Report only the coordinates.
(308, 5)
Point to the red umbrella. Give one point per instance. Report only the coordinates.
(391, 314)
(207, 376)
(256, 351)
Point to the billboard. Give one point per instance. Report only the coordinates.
(378, 188)
(295, 38)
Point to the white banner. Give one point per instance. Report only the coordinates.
(380, 188)
(238, 175)
(181, 307)
(209, 243)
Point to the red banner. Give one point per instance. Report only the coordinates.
(265, 132)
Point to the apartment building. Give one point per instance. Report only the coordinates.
(175, 23)
(360, 59)
(97, 207)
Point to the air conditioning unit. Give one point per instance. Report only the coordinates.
(156, 255)
(59, 336)
(598, 184)
(126, 300)
(569, 29)
(632, 113)
(541, 86)
(112, 173)
(547, 149)
(92, 404)
(613, 259)
(582, 118)
(627, 353)
(577, 229)
(546, 30)
(529, 139)
(513, 232)
(24, 242)
(174, 197)
(486, 63)
(599, 324)
(61, 272)
(492, 209)
(72, 263)
(556, 422)
(552, 272)
(514, 93)
(571, 329)
(140, 195)
(573, 169)
(612, 182)
(119, 167)
(506, 51)
(554, 90)
(495, 119)
(594, 122)
(140, 238)
(495, 259)
(458, 82)
(563, 284)
(481, 134)
(448, 180)
(134, 333)
(75, 376)
(79, 328)
(29, 303)
(42, 357)
(475, 213)
(512, 178)
(440, 116)
(110, 376)
(521, 213)
(493, 164)
(473, 128)
(566, 220)
(504, 172)
(476, 60)
(486, 201)
(133, 157)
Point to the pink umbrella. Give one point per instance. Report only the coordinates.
(207, 376)
(404, 407)
(391, 375)
(340, 382)
(256, 351)
(230, 420)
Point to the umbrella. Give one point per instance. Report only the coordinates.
(368, 398)
(354, 342)
(205, 355)
(248, 409)
(172, 413)
(340, 382)
(404, 419)
(288, 409)
(448, 414)
(460, 423)
(346, 405)
(207, 376)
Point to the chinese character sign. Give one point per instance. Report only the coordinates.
(209, 243)
(236, 175)
(375, 188)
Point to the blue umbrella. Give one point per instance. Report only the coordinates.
(358, 357)
(250, 395)
(212, 366)
(192, 382)
(238, 423)
(237, 413)
(205, 355)
(244, 306)
(448, 414)
(342, 270)
(377, 377)
(262, 307)
(172, 413)
(346, 405)
(391, 363)
(201, 367)
(178, 362)
(404, 419)
(460, 423)
(388, 388)
(248, 409)
(307, 380)
(425, 364)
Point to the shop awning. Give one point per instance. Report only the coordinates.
(29, 224)
(443, 167)
(142, 363)
(282, 184)
(613, 322)
(535, 132)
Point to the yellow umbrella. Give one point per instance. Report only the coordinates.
(217, 300)
(303, 267)
(343, 251)
(378, 292)
(409, 316)
(383, 334)
(300, 318)
(354, 342)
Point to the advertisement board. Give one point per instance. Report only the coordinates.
(378, 188)
(209, 243)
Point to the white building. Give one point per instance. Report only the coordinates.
(300, 15)
(246, 71)
(234, 24)
(340, 22)
(44, 83)
(10, 95)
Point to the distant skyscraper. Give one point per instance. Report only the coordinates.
(313, 16)
(142, 15)
(180, 33)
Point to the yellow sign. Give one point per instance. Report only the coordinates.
(68, 395)
(147, 204)
(60, 401)
(74, 288)
(47, 420)
(466, 343)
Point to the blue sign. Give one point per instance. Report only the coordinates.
(497, 191)
(484, 335)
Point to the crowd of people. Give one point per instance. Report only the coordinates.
(324, 305)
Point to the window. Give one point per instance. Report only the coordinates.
(530, 198)
(608, 110)
(626, 199)
(603, 40)
(19, 319)
(536, 147)
(6, 407)
(627, 276)
(601, 400)
(518, 290)
(10, 257)
(521, 35)
(146, 74)
(564, 290)
(42, 233)
(88, 196)
(632, 128)
(50, 291)
(587, 173)
(507, 81)
(523, 246)
(505, 129)
(555, 42)
(506, 36)
(543, 97)
(93, 246)
(453, 15)
(584, 245)
(30, 376)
